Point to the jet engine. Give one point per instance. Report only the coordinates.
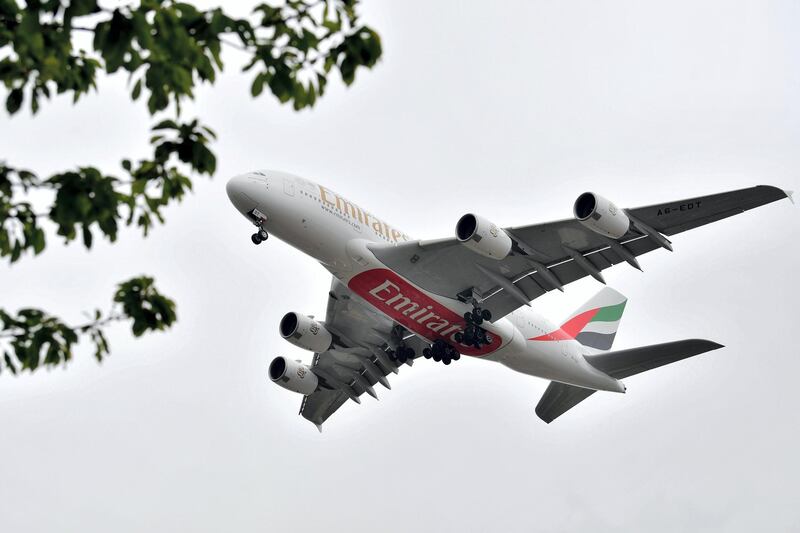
(305, 332)
(600, 215)
(483, 237)
(293, 375)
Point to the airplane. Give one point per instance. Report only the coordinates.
(394, 299)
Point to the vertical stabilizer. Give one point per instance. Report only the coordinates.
(595, 323)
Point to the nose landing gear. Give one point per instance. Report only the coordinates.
(258, 219)
(259, 236)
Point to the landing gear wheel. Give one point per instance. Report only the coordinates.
(256, 238)
(474, 335)
(442, 351)
(403, 354)
(426, 353)
(263, 235)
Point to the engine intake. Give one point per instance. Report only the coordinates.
(293, 375)
(483, 237)
(600, 215)
(305, 332)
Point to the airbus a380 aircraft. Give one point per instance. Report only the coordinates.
(393, 298)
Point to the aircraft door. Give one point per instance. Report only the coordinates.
(288, 186)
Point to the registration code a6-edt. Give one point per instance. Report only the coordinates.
(688, 206)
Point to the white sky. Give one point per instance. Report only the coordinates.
(508, 110)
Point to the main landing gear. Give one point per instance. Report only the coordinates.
(403, 353)
(441, 351)
(259, 236)
(474, 334)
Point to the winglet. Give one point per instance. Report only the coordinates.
(789, 195)
(319, 427)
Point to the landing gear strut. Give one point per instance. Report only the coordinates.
(397, 349)
(258, 219)
(259, 236)
(401, 352)
(441, 351)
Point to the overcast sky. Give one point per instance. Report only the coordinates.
(510, 110)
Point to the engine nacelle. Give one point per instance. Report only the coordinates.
(305, 332)
(293, 375)
(483, 237)
(601, 216)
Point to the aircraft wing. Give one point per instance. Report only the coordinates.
(360, 358)
(550, 255)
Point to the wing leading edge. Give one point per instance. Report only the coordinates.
(553, 254)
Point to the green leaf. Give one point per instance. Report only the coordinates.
(38, 241)
(165, 124)
(142, 303)
(87, 236)
(117, 40)
(16, 251)
(10, 363)
(14, 100)
(258, 85)
(137, 89)
(137, 187)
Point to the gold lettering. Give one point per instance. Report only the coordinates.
(322, 191)
(385, 286)
(428, 316)
(348, 208)
(421, 312)
(439, 324)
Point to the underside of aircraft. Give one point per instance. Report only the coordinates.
(394, 299)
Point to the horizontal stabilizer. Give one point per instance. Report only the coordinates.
(625, 363)
(560, 398)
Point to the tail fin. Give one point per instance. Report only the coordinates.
(595, 323)
(560, 398)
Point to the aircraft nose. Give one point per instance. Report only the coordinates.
(243, 191)
(235, 187)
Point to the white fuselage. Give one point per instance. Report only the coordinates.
(335, 232)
